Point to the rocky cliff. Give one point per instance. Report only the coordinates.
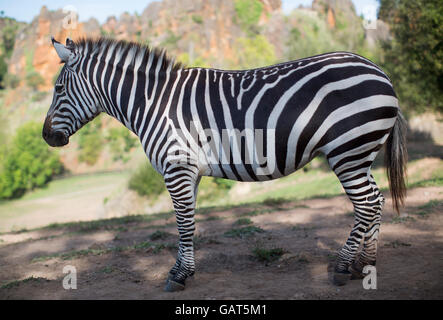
(195, 31)
(216, 33)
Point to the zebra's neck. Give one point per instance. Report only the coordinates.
(127, 79)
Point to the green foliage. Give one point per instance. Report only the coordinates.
(28, 163)
(414, 59)
(197, 19)
(147, 182)
(197, 62)
(7, 41)
(243, 221)
(224, 184)
(158, 235)
(211, 189)
(244, 232)
(312, 36)
(120, 143)
(267, 255)
(170, 42)
(90, 142)
(10, 81)
(254, 52)
(248, 13)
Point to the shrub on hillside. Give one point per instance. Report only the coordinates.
(28, 162)
(254, 52)
(211, 189)
(147, 182)
(90, 142)
(248, 13)
(120, 143)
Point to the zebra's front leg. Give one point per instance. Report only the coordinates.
(183, 189)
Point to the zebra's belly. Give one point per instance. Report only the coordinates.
(263, 170)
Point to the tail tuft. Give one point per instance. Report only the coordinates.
(396, 158)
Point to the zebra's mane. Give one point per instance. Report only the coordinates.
(87, 46)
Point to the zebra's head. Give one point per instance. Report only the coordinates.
(74, 103)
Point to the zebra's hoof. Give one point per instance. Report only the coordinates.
(173, 286)
(170, 276)
(356, 272)
(341, 278)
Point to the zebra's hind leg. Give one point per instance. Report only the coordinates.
(367, 202)
(368, 255)
(182, 183)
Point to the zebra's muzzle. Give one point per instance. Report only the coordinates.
(54, 138)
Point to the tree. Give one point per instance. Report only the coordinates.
(28, 163)
(7, 41)
(414, 59)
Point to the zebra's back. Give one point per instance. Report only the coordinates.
(287, 112)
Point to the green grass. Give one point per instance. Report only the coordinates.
(75, 254)
(107, 270)
(243, 232)
(17, 283)
(426, 209)
(158, 235)
(275, 202)
(397, 244)
(108, 224)
(76, 183)
(397, 220)
(242, 222)
(262, 199)
(267, 255)
(51, 197)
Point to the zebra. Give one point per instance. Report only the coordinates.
(339, 104)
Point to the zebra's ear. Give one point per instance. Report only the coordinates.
(70, 44)
(63, 52)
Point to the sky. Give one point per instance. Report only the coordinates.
(26, 10)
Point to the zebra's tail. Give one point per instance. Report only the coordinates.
(396, 158)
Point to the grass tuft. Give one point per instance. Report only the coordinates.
(267, 255)
(243, 232)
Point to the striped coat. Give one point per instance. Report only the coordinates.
(249, 125)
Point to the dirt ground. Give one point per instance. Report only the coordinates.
(113, 266)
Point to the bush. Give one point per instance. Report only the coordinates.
(224, 184)
(147, 182)
(254, 52)
(11, 81)
(28, 163)
(248, 13)
(90, 142)
(197, 19)
(120, 143)
(211, 189)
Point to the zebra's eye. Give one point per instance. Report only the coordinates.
(58, 88)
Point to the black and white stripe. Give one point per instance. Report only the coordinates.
(337, 104)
